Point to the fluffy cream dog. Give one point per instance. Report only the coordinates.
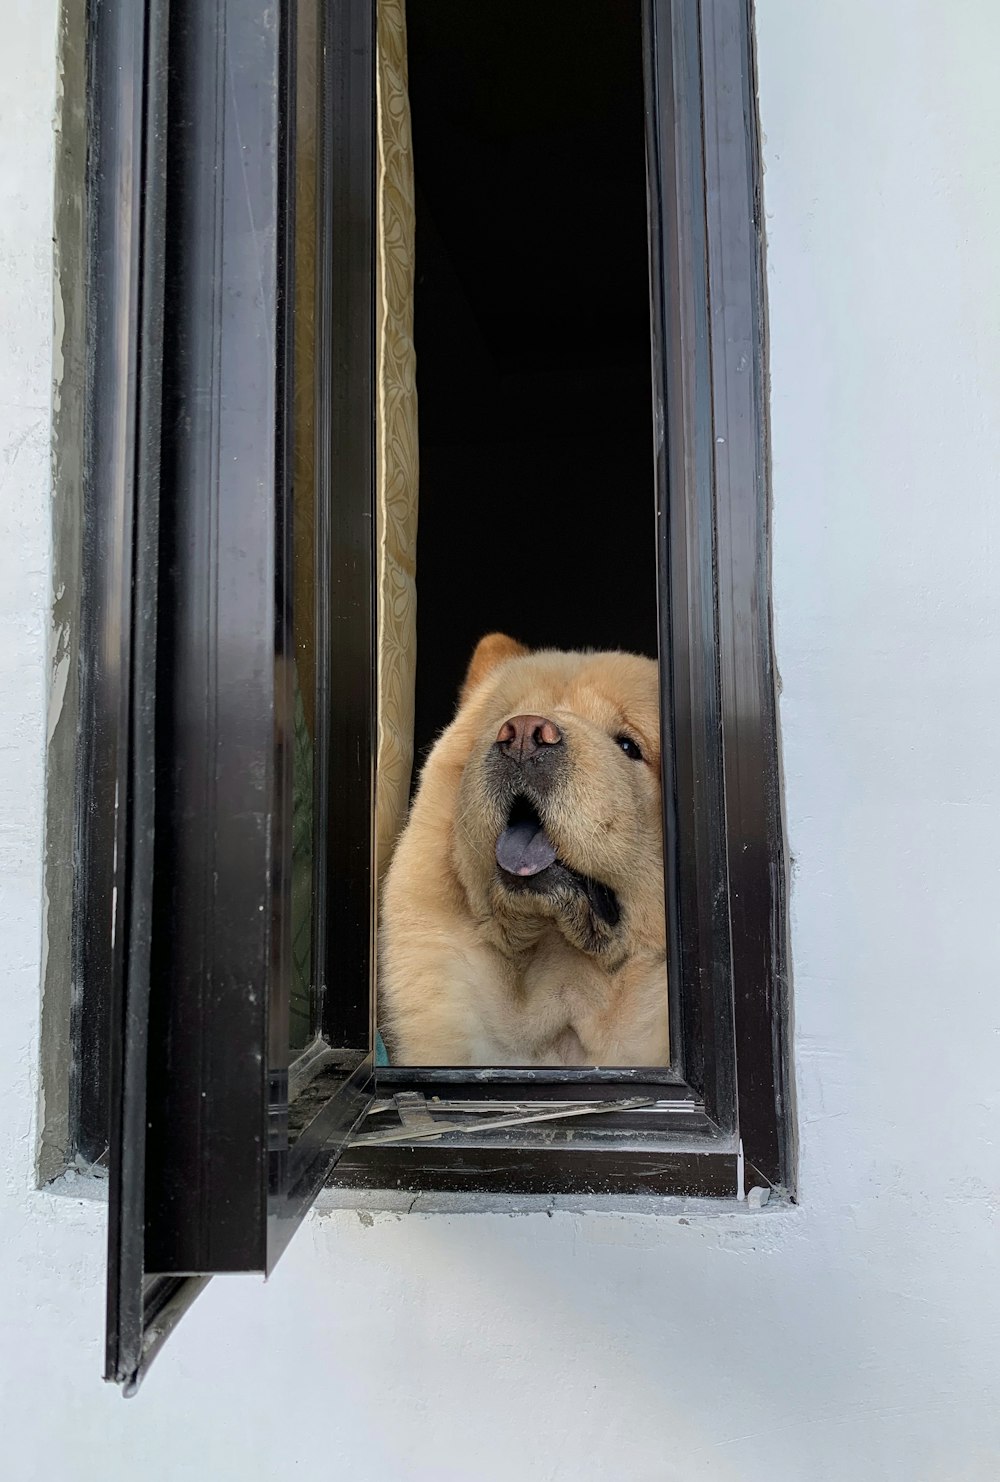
(522, 921)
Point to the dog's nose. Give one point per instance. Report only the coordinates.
(523, 736)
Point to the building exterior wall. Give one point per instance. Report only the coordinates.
(854, 1338)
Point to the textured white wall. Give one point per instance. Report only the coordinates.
(856, 1338)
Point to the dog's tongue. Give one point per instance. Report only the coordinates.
(524, 849)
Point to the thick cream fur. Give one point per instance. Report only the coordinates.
(470, 974)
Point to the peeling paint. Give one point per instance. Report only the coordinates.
(60, 677)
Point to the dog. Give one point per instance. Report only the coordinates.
(522, 919)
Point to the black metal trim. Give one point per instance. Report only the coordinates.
(126, 204)
(302, 1156)
(165, 1300)
(299, 1170)
(522, 1170)
(658, 103)
(593, 1083)
(755, 846)
(219, 922)
(347, 445)
(116, 91)
(228, 1178)
(687, 554)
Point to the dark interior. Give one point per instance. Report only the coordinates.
(532, 333)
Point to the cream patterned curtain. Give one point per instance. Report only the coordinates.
(396, 437)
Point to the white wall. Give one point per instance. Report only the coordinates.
(856, 1337)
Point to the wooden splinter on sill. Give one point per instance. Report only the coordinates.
(417, 1122)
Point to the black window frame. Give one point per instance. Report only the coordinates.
(212, 1170)
(718, 1122)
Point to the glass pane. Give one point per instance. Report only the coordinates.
(304, 996)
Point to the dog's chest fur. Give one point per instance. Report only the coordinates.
(552, 1005)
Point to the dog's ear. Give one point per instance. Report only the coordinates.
(494, 649)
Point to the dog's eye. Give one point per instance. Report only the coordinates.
(630, 747)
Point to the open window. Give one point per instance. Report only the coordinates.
(249, 590)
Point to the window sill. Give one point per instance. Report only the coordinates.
(367, 1202)
(75, 1190)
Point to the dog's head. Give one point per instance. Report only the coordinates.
(555, 758)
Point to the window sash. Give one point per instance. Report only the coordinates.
(191, 290)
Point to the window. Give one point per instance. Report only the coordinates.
(225, 909)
